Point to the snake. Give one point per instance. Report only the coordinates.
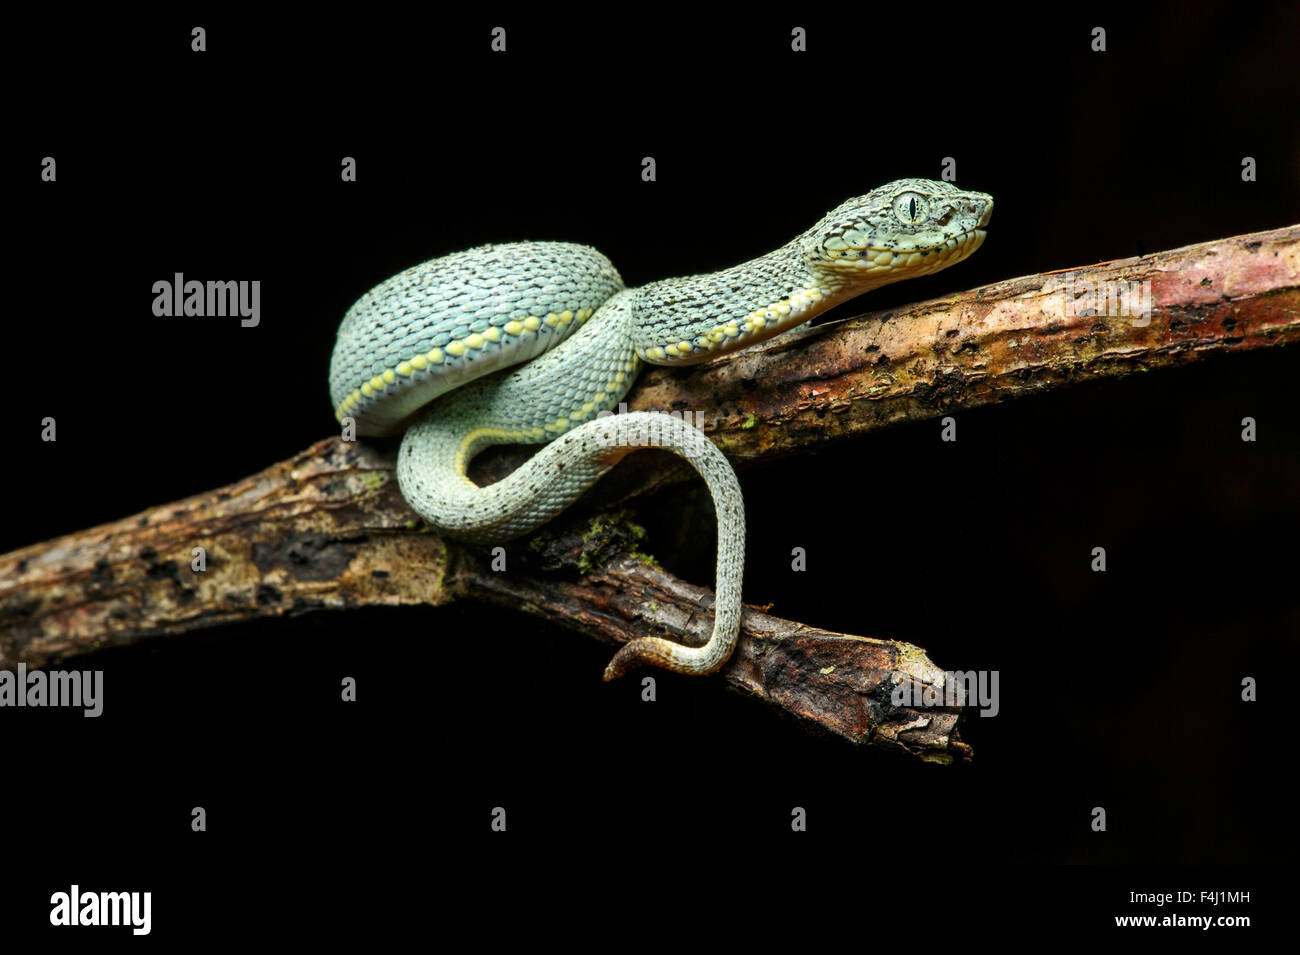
(536, 342)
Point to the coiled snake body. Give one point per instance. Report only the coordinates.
(447, 323)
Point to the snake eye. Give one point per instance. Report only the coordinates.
(910, 208)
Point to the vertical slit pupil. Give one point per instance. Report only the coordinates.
(911, 207)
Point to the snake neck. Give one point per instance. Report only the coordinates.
(682, 321)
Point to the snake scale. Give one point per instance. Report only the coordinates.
(428, 353)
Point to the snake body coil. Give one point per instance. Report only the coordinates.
(436, 331)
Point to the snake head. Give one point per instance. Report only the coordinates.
(907, 228)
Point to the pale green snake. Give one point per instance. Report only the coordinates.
(447, 323)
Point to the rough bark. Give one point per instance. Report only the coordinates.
(327, 529)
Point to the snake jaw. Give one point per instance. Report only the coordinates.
(908, 228)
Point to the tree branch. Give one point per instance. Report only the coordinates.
(328, 529)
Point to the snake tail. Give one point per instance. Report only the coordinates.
(549, 481)
(729, 508)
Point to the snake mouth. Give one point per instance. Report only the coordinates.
(959, 246)
(976, 236)
(900, 263)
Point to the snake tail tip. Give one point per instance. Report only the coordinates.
(619, 664)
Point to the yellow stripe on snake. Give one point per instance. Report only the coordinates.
(561, 309)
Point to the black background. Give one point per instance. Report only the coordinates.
(1120, 690)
